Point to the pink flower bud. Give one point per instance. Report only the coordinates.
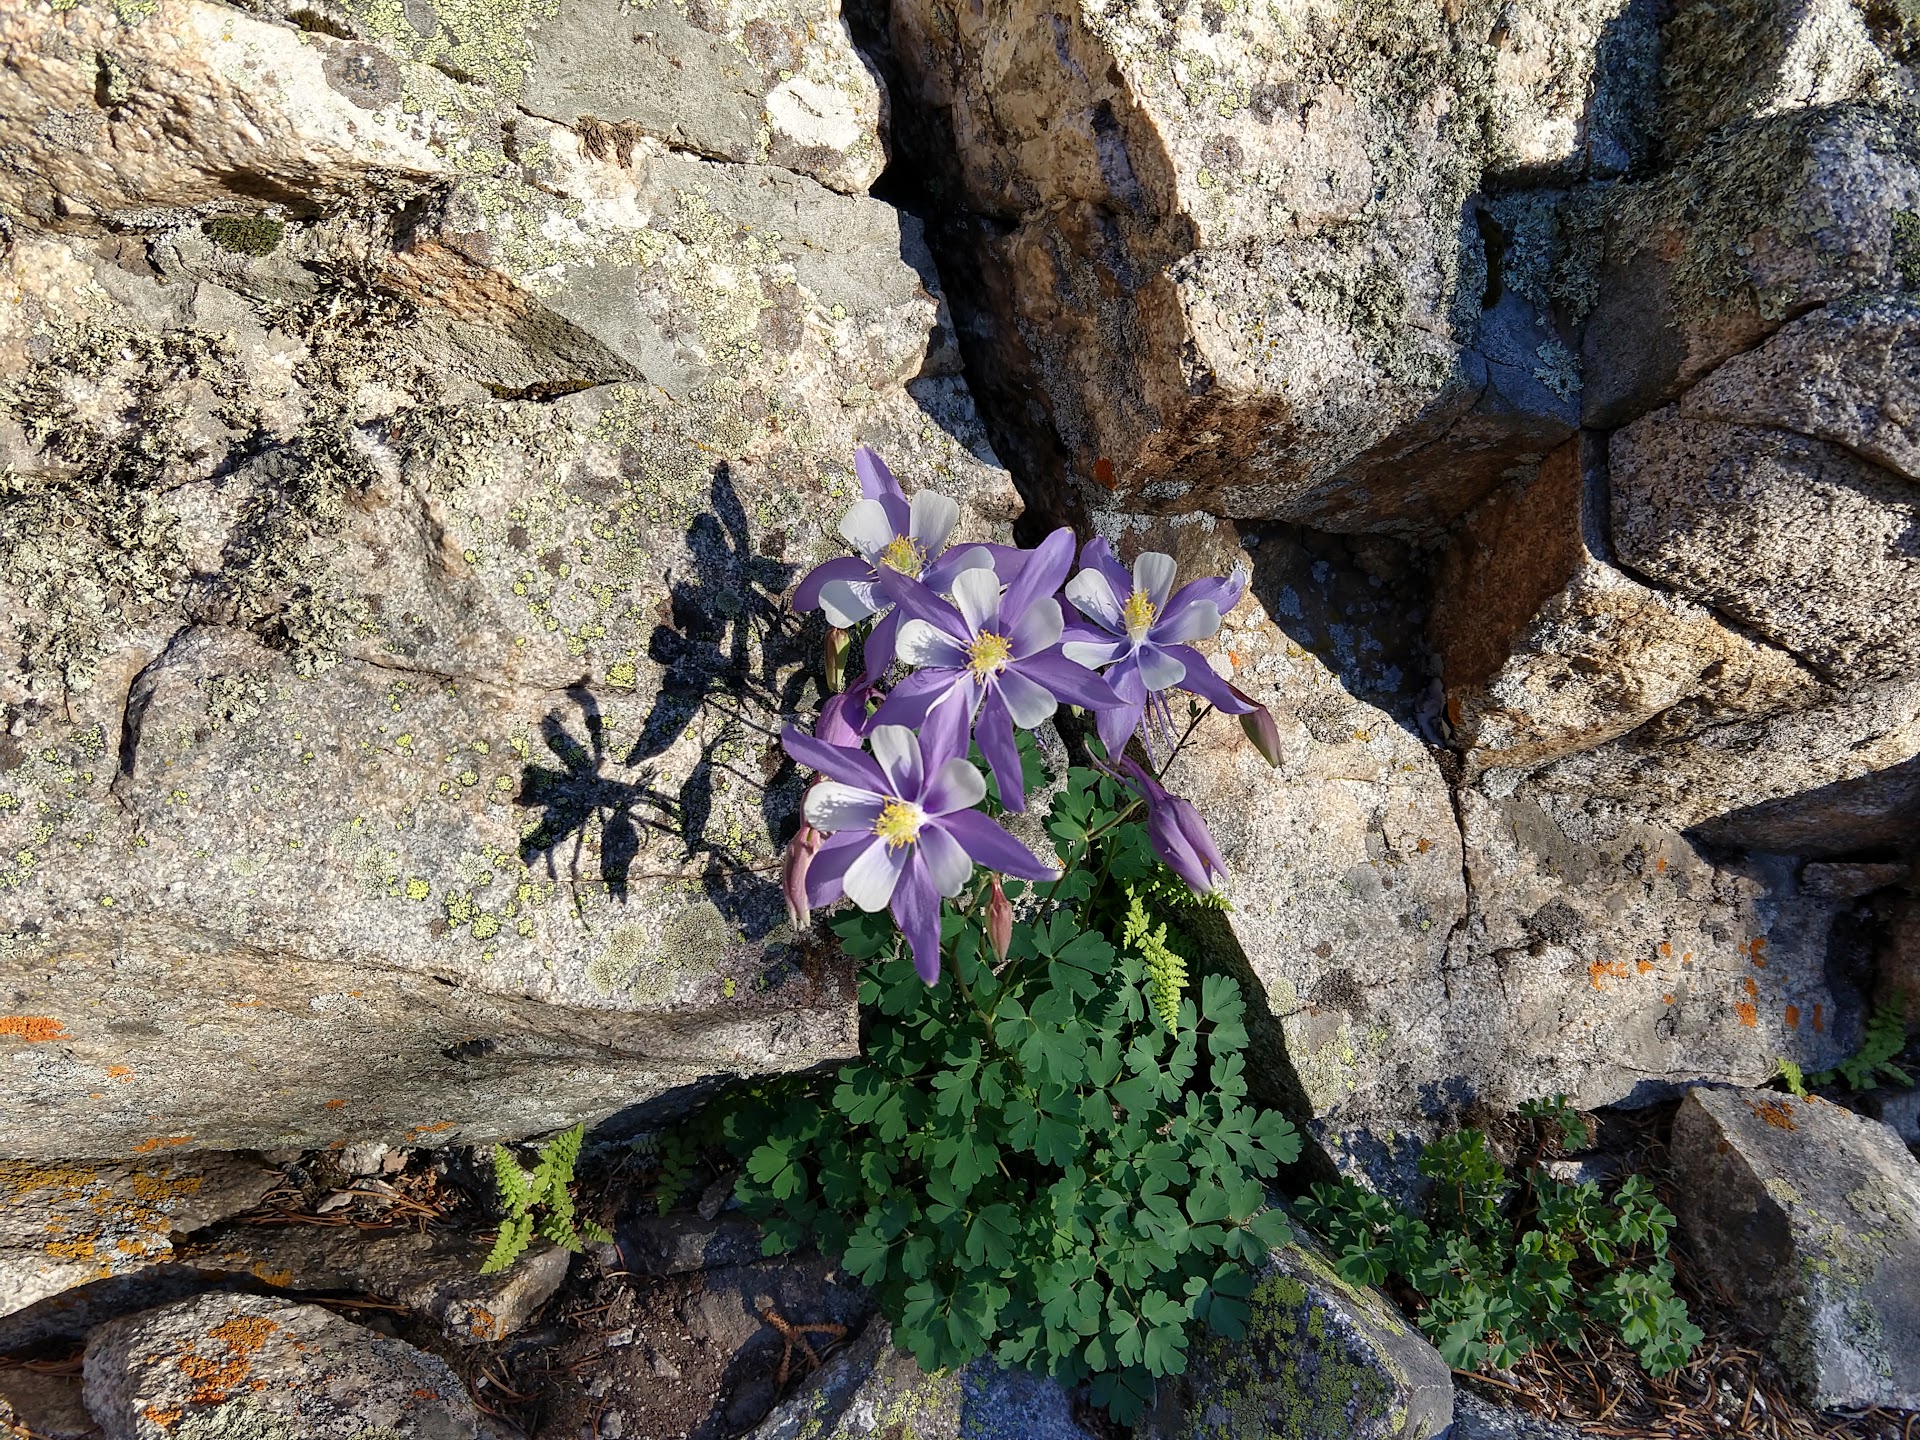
(793, 875)
(839, 642)
(999, 922)
(1259, 727)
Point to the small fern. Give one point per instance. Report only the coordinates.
(546, 1187)
(1886, 1037)
(1166, 977)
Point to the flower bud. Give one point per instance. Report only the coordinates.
(999, 922)
(1259, 727)
(841, 719)
(834, 659)
(793, 875)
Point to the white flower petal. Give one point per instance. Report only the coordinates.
(948, 866)
(869, 881)
(830, 806)
(934, 517)
(847, 602)
(898, 751)
(1160, 670)
(956, 785)
(866, 527)
(919, 644)
(1153, 573)
(1093, 597)
(977, 594)
(1027, 701)
(1095, 653)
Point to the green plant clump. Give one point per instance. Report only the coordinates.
(1508, 1261)
(245, 234)
(1886, 1037)
(545, 1188)
(1049, 1157)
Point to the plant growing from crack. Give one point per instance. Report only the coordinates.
(547, 1188)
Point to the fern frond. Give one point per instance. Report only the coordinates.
(516, 1192)
(514, 1237)
(1166, 970)
(557, 1159)
(598, 1234)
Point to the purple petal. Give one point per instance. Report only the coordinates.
(898, 750)
(956, 785)
(922, 604)
(806, 595)
(1043, 574)
(914, 696)
(916, 910)
(1117, 725)
(1097, 555)
(938, 577)
(993, 847)
(948, 864)
(1223, 590)
(1185, 620)
(879, 647)
(1008, 561)
(1208, 686)
(1067, 681)
(830, 863)
(876, 480)
(849, 767)
(993, 733)
(948, 726)
(1037, 628)
(842, 718)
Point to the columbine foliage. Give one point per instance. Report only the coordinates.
(545, 1188)
(1886, 1037)
(1509, 1260)
(1028, 1161)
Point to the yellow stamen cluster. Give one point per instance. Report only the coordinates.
(905, 554)
(989, 654)
(1138, 612)
(899, 823)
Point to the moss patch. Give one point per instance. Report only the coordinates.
(1906, 247)
(245, 234)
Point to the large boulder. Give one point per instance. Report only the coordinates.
(269, 1370)
(1809, 1216)
(381, 711)
(1231, 248)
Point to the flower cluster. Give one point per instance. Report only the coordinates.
(992, 639)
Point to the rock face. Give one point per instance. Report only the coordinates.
(1320, 1357)
(1807, 1214)
(63, 1225)
(245, 1365)
(395, 522)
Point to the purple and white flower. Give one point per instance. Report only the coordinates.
(1138, 628)
(1176, 832)
(991, 650)
(889, 533)
(901, 831)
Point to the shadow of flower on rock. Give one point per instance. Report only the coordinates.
(731, 656)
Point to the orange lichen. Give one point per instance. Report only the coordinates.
(1660, 865)
(1666, 999)
(1749, 1016)
(70, 1249)
(1602, 969)
(120, 1072)
(335, 1104)
(1643, 966)
(1753, 990)
(165, 1416)
(1793, 1017)
(161, 1142)
(34, 1029)
(1666, 948)
(245, 1333)
(1103, 472)
(1774, 1112)
(431, 1129)
(1424, 846)
(1819, 1025)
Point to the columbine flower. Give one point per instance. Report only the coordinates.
(893, 535)
(995, 651)
(1138, 628)
(901, 831)
(1257, 723)
(1177, 833)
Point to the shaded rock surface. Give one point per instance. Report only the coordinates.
(1810, 1216)
(244, 1365)
(1320, 1357)
(48, 1406)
